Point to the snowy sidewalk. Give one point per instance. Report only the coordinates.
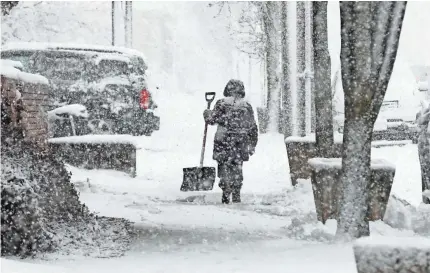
(274, 228)
(284, 256)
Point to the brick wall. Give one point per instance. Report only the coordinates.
(34, 102)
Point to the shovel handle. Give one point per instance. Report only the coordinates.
(209, 96)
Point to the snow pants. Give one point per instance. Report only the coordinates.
(230, 174)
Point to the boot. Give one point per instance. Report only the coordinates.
(225, 197)
(236, 195)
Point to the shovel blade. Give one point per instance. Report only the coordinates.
(198, 179)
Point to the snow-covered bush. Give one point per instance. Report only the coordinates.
(392, 254)
(21, 230)
(34, 187)
(41, 210)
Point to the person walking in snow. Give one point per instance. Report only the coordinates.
(235, 139)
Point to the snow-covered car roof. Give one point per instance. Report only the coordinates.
(74, 47)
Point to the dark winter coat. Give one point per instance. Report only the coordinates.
(237, 132)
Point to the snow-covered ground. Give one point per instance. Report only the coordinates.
(274, 229)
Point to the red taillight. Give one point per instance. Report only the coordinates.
(144, 99)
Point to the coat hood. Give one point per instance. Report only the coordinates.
(234, 88)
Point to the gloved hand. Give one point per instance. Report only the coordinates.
(251, 150)
(207, 113)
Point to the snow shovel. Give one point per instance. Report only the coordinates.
(200, 178)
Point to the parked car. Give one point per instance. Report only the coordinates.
(392, 123)
(397, 117)
(109, 81)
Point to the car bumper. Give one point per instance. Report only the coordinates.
(138, 122)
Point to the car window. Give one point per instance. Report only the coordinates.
(138, 66)
(111, 68)
(59, 65)
(21, 56)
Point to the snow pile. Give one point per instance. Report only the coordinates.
(421, 220)
(292, 202)
(392, 254)
(307, 227)
(400, 214)
(8, 69)
(41, 211)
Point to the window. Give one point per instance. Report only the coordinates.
(20, 56)
(59, 65)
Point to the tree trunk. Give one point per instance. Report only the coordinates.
(308, 63)
(301, 66)
(322, 78)
(113, 21)
(313, 94)
(355, 177)
(126, 24)
(287, 110)
(272, 51)
(370, 34)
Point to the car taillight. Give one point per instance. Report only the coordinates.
(144, 99)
